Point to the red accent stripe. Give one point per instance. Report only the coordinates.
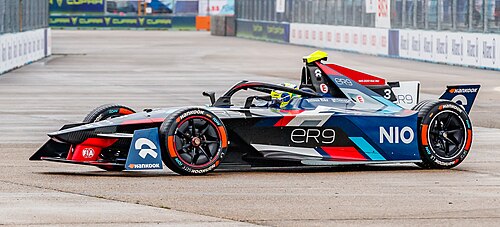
(344, 153)
(94, 144)
(424, 135)
(171, 147)
(143, 121)
(125, 111)
(287, 118)
(360, 77)
(284, 121)
(327, 70)
(294, 112)
(469, 139)
(223, 135)
(99, 142)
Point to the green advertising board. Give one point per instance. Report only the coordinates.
(124, 22)
(77, 6)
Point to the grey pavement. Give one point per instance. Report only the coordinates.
(160, 69)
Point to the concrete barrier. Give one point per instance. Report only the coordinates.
(222, 25)
(479, 50)
(18, 49)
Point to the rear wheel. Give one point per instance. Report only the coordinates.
(445, 134)
(194, 141)
(106, 112)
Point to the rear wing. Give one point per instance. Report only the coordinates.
(464, 95)
(403, 93)
(360, 77)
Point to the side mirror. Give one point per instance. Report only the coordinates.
(211, 95)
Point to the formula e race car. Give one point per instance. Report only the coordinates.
(336, 116)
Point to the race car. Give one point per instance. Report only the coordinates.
(336, 116)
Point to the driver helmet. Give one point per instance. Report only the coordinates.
(282, 98)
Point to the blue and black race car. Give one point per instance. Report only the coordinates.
(336, 116)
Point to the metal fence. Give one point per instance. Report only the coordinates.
(23, 15)
(454, 15)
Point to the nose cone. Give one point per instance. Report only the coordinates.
(77, 133)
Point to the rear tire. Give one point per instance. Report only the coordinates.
(106, 112)
(194, 141)
(445, 134)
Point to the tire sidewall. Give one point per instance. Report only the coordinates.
(426, 149)
(105, 112)
(171, 157)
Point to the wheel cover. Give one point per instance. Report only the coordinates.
(197, 141)
(447, 134)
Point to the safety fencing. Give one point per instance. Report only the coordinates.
(25, 15)
(24, 36)
(457, 48)
(459, 32)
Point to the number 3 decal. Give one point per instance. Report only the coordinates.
(387, 94)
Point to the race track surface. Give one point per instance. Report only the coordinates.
(145, 69)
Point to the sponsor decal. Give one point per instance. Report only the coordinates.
(328, 100)
(472, 48)
(188, 169)
(463, 90)
(144, 166)
(155, 21)
(428, 45)
(318, 136)
(442, 46)
(444, 163)
(178, 162)
(450, 106)
(88, 153)
(360, 99)
(76, 5)
(488, 50)
(112, 111)
(150, 148)
(318, 74)
(324, 88)
(415, 44)
(404, 43)
(460, 100)
(144, 153)
(396, 135)
(257, 28)
(405, 98)
(191, 112)
(457, 47)
(343, 82)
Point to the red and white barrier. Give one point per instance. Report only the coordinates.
(358, 39)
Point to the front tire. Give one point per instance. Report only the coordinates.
(194, 141)
(106, 112)
(445, 134)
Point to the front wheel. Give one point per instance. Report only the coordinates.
(445, 134)
(106, 112)
(194, 141)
